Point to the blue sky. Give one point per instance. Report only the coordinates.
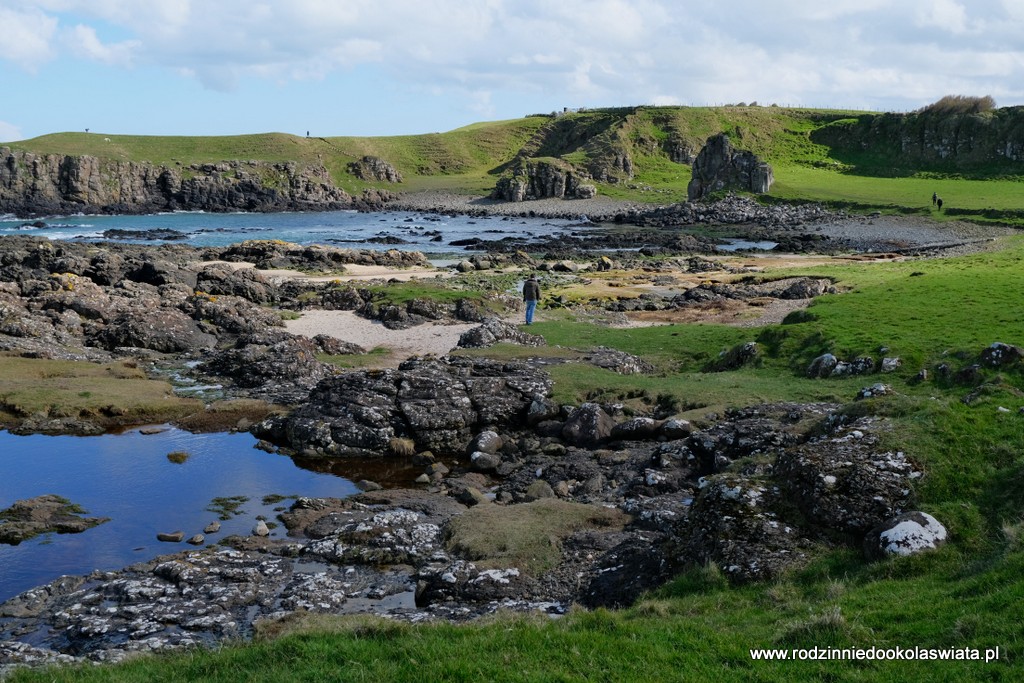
(393, 67)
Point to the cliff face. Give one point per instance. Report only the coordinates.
(33, 184)
(990, 141)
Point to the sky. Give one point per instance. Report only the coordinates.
(397, 67)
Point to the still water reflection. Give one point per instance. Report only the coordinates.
(129, 478)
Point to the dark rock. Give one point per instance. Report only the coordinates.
(437, 403)
(732, 524)
(720, 167)
(170, 331)
(31, 517)
(735, 358)
(493, 331)
(822, 366)
(999, 354)
(625, 572)
(588, 425)
(845, 482)
(278, 365)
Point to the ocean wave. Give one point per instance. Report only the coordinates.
(80, 236)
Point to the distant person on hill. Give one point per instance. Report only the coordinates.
(531, 295)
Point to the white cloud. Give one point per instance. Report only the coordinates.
(27, 37)
(946, 15)
(480, 103)
(9, 132)
(84, 43)
(600, 51)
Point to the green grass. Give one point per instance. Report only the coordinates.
(468, 160)
(110, 394)
(904, 195)
(526, 536)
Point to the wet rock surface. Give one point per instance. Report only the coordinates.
(756, 492)
(29, 518)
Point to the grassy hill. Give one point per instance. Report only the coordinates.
(850, 159)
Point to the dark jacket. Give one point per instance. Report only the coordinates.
(531, 290)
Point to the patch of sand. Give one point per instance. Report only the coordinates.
(353, 272)
(420, 340)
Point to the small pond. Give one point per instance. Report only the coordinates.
(130, 479)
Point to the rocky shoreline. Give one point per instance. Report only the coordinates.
(623, 500)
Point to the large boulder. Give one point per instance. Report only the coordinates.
(906, 534)
(166, 331)
(371, 168)
(588, 425)
(493, 331)
(847, 483)
(278, 365)
(247, 283)
(543, 179)
(733, 524)
(721, 167)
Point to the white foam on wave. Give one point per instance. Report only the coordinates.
(98, 234)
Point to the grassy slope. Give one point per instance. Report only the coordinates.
(466, 160)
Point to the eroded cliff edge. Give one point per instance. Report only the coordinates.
(47, 184)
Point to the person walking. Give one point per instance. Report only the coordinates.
(531, 295)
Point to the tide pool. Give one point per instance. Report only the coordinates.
(129, 478)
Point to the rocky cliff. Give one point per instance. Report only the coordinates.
(38, 184)
(990, 142)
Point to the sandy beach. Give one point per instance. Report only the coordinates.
(428, 338)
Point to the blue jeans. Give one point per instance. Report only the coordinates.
(531, 306)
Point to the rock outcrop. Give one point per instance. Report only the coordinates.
(546, 179)
(439, 404)
(43, 514)
(721, 167)
(371, 168)
(932, 140)
(46, 184)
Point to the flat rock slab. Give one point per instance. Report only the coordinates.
(43, 514)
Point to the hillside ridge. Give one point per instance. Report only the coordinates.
(632, 152)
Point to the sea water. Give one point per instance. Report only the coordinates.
(129, 478)
(429, 233)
